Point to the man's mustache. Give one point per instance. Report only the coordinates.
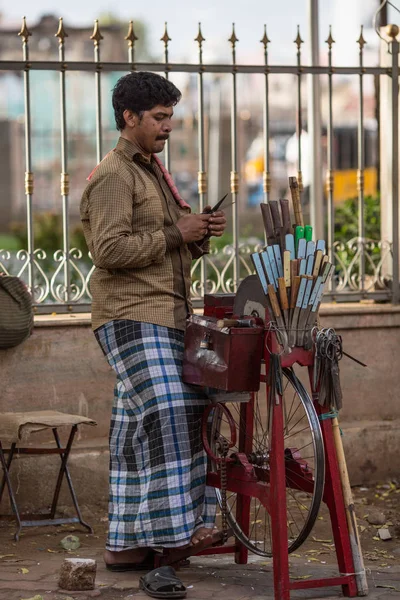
(162, 137)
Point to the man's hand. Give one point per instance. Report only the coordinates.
(217, 223)
(193, 227)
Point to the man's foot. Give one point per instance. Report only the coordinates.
(174, 555)
(129, 560)
(202, 533)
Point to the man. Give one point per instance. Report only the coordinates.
(142, 237)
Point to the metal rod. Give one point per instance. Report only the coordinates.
(131, 39)
(165, 38)
(65, 469)
(314, 127)
(395, 169)
(38, 65)
(299, 125)
(202, 175)
(61, 34)
(234, 172)
(97, 37)
(29, 183)
(331, 208)
(266, 174)
(361, 168)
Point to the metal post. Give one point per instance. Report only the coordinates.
(266, 174)
(314, 127)
(97, 37)
(329, 174)
(360, 171)
(393, 31)
(166, 39)
(61, 34)
(131, 39)
(234, 172)
(25, 33)
(201, 175)
(299, 121)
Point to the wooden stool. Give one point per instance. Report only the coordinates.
(14, 428)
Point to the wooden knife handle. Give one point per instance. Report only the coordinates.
(284, 203)
(276, 217)
(267, 219)
(282, 293)
(274, 301)
(294, 291)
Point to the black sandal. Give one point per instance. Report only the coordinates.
(162, 583)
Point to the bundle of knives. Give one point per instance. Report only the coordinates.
(293, 271)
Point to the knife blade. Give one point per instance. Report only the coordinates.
(303, 311)
(295, 312)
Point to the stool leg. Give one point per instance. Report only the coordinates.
(9, 461)
(64, 469)
(7, 481)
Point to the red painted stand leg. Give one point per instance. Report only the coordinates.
(278, 508)
(246, 430)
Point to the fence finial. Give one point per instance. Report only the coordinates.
(361, 41)
(130, 36)
(96, 35)
(330, 39)
(165, 38)
(199, 39)
(298, 41)
(233, 39)
(24, 33)
(265, 40)
(61, 33)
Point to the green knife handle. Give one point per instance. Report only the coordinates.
(308, 233)
(299, 233)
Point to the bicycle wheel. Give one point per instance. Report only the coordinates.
(304, 464)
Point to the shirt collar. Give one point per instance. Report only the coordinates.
(130, 150)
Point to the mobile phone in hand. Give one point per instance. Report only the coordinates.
(216, 207)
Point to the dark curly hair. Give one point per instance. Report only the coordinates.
(142, 91)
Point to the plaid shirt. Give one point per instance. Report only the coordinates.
(128, 213)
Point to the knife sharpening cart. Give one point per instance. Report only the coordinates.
(276, 465)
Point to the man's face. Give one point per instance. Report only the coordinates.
(152, 130)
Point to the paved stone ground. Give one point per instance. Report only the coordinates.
(30, 567)
(23, 576)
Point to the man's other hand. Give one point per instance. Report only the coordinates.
(193, 227)
(217, 223)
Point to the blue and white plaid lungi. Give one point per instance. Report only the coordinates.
(158, 492)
